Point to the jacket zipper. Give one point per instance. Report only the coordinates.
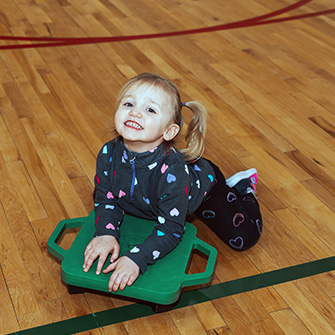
(132, 163)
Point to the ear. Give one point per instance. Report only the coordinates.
(171, 132)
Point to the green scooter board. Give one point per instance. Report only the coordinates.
(160, 284)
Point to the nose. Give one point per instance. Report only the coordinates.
(135, 112)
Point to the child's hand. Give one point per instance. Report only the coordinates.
(101, 247)
(126, 272)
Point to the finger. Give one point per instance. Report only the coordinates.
(124, 282)
(131, 280)
(112, 281)
(86, 254)
(91, 257)
(101, 262)
(110, 267)
(88, 248)
(117, 282)
(115, 253)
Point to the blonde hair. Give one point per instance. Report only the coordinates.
(196, 132)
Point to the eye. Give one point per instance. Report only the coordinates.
(150, 110)
(128, 104)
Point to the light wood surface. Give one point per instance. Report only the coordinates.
(269, 89)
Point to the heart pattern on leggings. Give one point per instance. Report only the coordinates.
(238, 219)
(231, 197)
(259, 226)
(208, 214)
(237, 243)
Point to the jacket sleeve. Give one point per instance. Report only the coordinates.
(108, 215)
(172, 194)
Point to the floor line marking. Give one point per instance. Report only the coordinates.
(189, 298)
(259, 20)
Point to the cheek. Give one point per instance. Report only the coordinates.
(156, 126)
(118, 116)
(118, 121)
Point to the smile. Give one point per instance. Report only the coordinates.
(134, 125)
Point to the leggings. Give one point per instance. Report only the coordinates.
(234, 218)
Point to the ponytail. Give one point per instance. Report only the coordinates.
(196, 131)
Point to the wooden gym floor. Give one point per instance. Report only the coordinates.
(265, 71)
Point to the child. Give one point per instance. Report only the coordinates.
(141, 173)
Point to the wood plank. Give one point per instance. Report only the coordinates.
(315, 293)
(327, 283)
(138, 326)
(162, 323)
(5, 75)
(32, 66)
(306, 236)
(37, 171)
(255, 311)
(18, 281)
(17, 100)
(53, 310)
(7, 146)
(219, 331)
(65, 155)
(91, 332)
(71, 134)
(43, 229)
(25, 239)
(313, 168)
(304, 309)
(84, 189)
(289, 322)
(208, 316)
(117, 329)
(270, 299)
(57, 175)
(26, 191)
(8, 319)
(187, 321)
(229, 309)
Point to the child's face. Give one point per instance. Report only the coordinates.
(143, 118)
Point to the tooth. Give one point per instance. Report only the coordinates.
(133, 124)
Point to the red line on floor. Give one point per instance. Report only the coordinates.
(259, 20)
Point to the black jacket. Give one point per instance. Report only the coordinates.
(156, 185)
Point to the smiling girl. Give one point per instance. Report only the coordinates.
(141, 173)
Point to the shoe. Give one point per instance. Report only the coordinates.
(244, 181)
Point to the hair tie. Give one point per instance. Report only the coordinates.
(184, 103)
